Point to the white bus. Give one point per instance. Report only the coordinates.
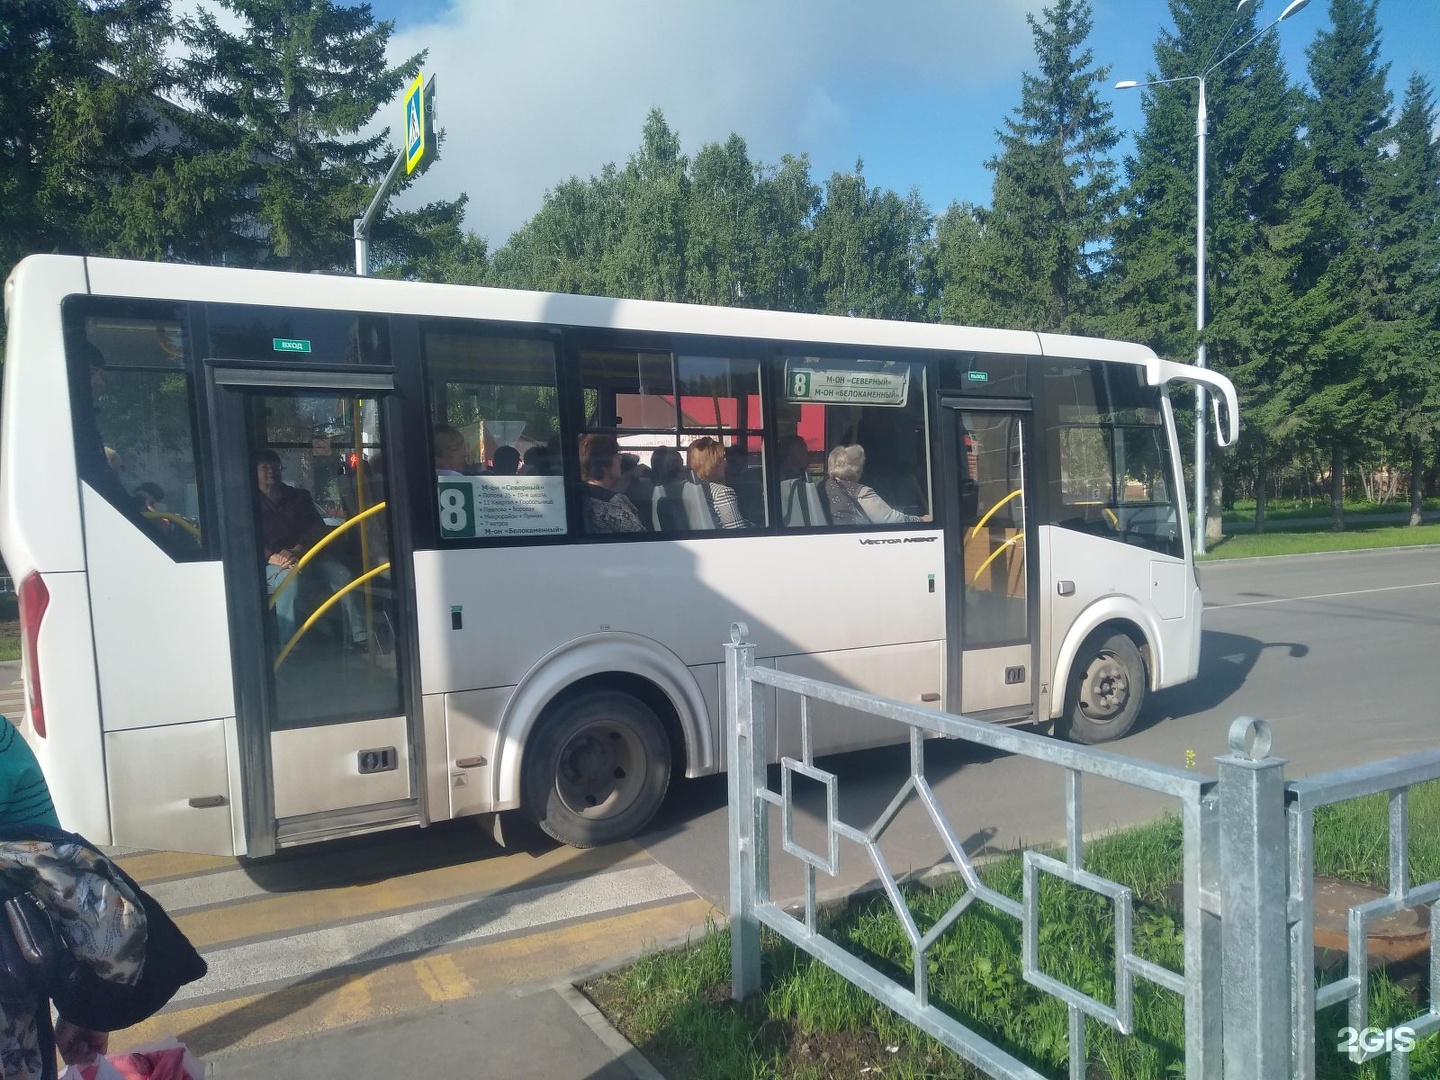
(457, 642)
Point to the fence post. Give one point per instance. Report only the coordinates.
(1254, 934)
(742, 759)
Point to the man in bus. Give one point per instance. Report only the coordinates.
(290, 525)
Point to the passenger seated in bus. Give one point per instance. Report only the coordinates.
(707, 461)
(535, 462)
(506, 461)
(606, 509)
(637, 486)
(851, 502)
(666, 466)
(451, 454)
(290, 525)
(800, 502)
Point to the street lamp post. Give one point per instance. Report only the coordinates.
(1201, 123)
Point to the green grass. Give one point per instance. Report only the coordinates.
(9, 627)
(807, 1022)
(1358, 535)
(1301, 509)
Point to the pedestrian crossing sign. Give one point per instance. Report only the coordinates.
(419, 125)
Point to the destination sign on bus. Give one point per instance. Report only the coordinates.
(839, 383)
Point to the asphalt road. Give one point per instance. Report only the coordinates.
(1337, 651)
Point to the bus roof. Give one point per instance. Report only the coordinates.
(117, 277)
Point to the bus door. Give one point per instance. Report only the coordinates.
(990, 610)
(315, 555)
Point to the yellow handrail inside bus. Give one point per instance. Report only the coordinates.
(304, 559)
(323, 608)
(988, 513)
(1017, 538)
(1114, 521)
(173, 519)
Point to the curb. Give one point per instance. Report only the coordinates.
(626, 1053)
(623, 1049)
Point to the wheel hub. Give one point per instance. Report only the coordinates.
(1106, 689)
(601, 769)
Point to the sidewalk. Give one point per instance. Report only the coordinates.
(553, 1033)
(12, 691)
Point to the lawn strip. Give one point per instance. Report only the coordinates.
(808, 1022)
(1357, 537)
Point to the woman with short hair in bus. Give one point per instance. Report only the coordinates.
(706, 458)
(606, 509)
(854, 503)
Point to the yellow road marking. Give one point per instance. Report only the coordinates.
(280, 913)
(352, 1003)
(307, 1008)
(155, 865)
(441, 979)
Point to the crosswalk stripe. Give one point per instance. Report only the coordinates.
(298, 955)
(234, 907)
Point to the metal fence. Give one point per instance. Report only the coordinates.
(1248, 983)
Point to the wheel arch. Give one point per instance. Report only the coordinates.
(1112, 614)
(628, 662)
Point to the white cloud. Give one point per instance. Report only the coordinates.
(531, 93)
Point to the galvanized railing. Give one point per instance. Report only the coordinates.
(1394, 779)
(1248, 980)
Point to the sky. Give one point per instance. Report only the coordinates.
(532, 92)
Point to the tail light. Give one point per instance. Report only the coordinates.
(34, 599)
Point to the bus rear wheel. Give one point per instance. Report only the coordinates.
(596, 769)
(1107, 689)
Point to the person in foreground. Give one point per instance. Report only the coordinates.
(27, 1043)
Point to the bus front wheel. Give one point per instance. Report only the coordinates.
(596, 769)
(1107, 689)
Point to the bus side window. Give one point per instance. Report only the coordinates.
(134, 417)
(847, 464)
(495, 427)
(674, 413)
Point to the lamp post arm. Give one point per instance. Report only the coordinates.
(1291, 9)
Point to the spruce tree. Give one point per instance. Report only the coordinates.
(79, 90)
(1256, 173)
(275, 163)
(1054, 195)
(1345, 121)
(1402, 205)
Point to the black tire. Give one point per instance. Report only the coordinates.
(596, 769)
(1106, 691)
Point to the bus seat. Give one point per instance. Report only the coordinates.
(698, 514)
(667, 510)
(682, 507)
(801, 504)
